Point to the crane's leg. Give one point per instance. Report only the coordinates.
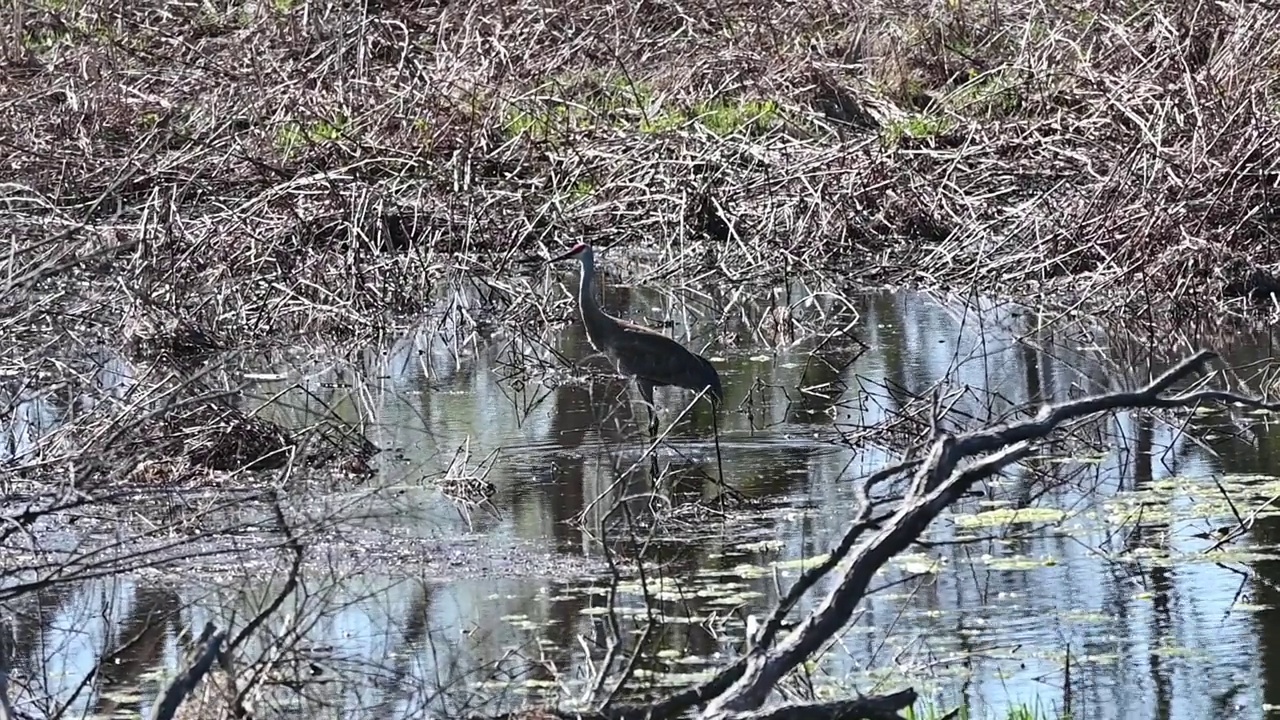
(646, 394)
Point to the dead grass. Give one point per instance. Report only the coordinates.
(286, 168)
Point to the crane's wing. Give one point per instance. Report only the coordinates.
(663, 361)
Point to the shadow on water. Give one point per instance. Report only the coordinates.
(1120, 617)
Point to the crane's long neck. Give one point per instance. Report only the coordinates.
(599, 325)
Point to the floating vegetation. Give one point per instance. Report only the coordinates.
(1017, 562)
(1082, 616)
(917, 563)
(761, 546)
(1009, 516)
(670, 679)
(1182, 498)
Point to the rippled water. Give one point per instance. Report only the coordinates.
(1107, 617)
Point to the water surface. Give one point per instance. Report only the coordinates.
(1114, 610)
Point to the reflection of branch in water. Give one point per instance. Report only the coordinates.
(615, 641)
(28, 622)
(821, 386)
(414, 637)
(6, 706)
(210, 644)
(290, 583)
(468, 487)
(145, 631)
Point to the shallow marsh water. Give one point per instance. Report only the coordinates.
(1108, 604)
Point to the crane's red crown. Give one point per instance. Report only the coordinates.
(575, 251)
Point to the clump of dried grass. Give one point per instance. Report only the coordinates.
(112, 427)
(290, 168)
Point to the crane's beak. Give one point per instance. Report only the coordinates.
(566, 256)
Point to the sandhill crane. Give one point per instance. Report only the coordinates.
(651, 358)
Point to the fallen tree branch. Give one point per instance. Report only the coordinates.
(937, 484)
(810, 577)
(740, 690)
(186, 683)
(871, 707)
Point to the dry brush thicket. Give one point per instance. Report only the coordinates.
(280, 166)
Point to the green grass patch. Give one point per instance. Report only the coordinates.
(595, 102)
(720, 117)
(571, 104)
(995, 94)
(915, 128)
(43, 40)
(295, 135)
(556, 120)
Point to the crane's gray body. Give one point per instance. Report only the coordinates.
(651, 358)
